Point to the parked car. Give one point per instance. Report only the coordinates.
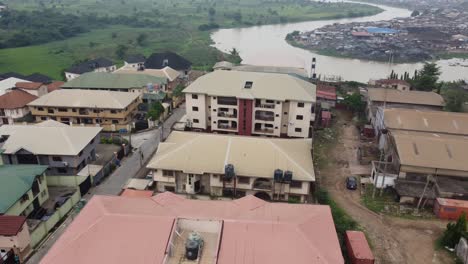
(351, 183)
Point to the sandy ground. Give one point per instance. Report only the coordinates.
(394, 240)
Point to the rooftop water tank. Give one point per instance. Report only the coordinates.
(288, 176)
(278, 175)
(191, 249)
(229, 172)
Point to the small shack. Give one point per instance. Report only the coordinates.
(359, 251)
(450, 209)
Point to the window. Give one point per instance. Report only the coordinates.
(24, 198)
(40, 109)
(295, 184)
(196, 121)
(195, 108)
(43, 118)
(194, 96)
(168, 173)
(115, 121)
(242, 179)
(61, 170)
(298, 129)
(285, 113)
(62, 110)
(95, 111)
(55, 158)
(113, 111)
(50, 111)
(248, 85)
(300, 117)
(169, 188)
(270, 101)
(300, 105)
(64, 119)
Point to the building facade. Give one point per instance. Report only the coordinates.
(65, 150)
(13, 106)
(179, 166)
(113, 111)
(251, 103)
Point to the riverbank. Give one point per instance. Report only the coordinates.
(182, 29)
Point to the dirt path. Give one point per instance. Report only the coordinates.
(394, 240)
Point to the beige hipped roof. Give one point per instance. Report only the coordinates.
(426, 121)
(200, 153)
(86, 99)
(428, 150)
(47, 140)
(272, 86)
(166, 72)
(405, 97)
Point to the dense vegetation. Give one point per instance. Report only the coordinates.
(103, 27)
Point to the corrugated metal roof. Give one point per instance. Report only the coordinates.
(405, 97)
(15, 181)
(86, 99)
(254, 231)
(251, 156)
(272, 86)
(136, 193)
(10, 225)
(100, 80)
(359, 245)
(452, 202)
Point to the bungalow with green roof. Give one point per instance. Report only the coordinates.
(23, 188)
(136, 83)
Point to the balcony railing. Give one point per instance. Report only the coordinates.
(264, 130)
(227, 101)
(227, 126)
(227, 114)
(268, 106)
(265, 117)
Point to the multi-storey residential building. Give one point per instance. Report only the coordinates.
(251, 103)
(162, 229)
(113, 111)
(218, 165)
(66, 150)
(13, 106)
(96, 65)
(118, 82)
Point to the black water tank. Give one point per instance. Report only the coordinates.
(229, 172)
(288, 176)
(191, 250)
(278, 175)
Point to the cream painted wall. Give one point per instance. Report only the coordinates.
(21, 240)
(294, 123)
(201, 114)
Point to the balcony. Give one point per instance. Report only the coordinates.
(227, 101)
(227, 127)
(264, 130)
(83, 112)
(262, 184)
(224, 112)
(265, 116)
(266, 106)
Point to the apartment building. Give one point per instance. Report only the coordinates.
(13, 106)
(226, 165)
(251, 103)
(162, 229)
(113, 111)
(64, 149)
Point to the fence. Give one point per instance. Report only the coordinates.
(41, 231)
(66, 181)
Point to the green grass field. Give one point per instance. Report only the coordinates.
(178, 31)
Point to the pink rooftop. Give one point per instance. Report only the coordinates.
(126, 230)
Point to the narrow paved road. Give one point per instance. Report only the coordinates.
(131, 166)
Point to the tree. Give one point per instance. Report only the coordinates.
(235, 56)
(155, 111)
(142, 37)
(121, 51)
(354, 102)
(114, 35)
(426, 79)
(454, 232)
(211, 14)
(237, 16)
(177, 92)
(454, 99)
(415, 13)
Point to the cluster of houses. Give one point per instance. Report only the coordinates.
(246, 140)
(415, 38)
(423, 146)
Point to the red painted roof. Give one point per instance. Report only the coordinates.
(136, 193)
(115, 229)
(54, 86)
(28, 85)
(10, 225)
(359, 245)
(16, 99)
(452, 202)
(326, 91)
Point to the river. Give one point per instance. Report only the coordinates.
(266, 45)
